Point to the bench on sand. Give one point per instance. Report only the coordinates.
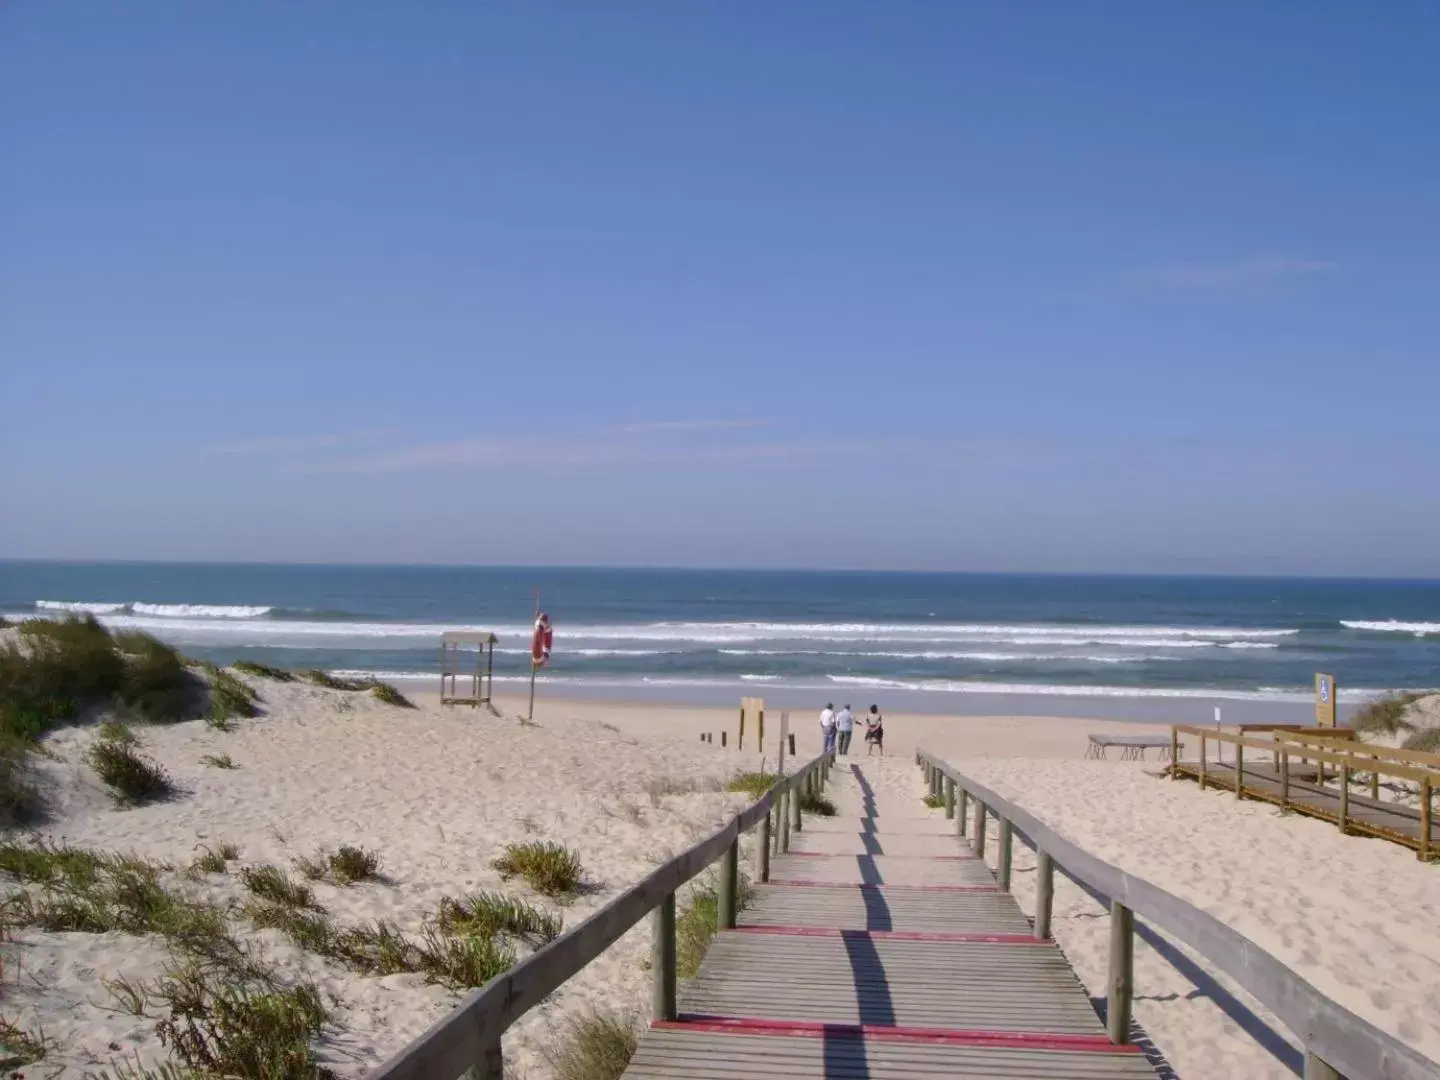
(1134, 746)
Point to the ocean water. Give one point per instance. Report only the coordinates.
(956, 639)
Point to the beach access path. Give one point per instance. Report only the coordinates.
(882, 947)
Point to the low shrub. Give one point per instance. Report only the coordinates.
(216, 1028)
(263, 671)
(155, 681)
(1385, 715)
(1426, 741)
(460, 962)
(383, 691)
(215, 860)
(20, 801)
(117, 732)
(549, 868)
(332, 682)
(594, 1046)
(488, 913)
(812, 802)
(698, 922)
(229, 697)
(273, 884)
(752, 783)
(345, 866)
(132, 777)
(218, 761)
(933, 801)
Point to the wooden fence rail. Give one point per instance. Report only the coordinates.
(1279, 784)
(1338, 1044)
(466, 1042)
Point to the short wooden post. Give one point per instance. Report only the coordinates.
(491, 1065)
(949, 797)
(762, 851)
(1122, 964)
(1344, 798)
(740, 742)
(795, 800)
(1174, 753)
(723, 735)
(729, 886)
(790, 738)
(1044, 893)
(1002, 857)
(1201, 776)
(1315, 1069)
(1375, 779)
(662, 961)
(979, 842)
(1239, 771)
(1425, 812)
(961, 811)
(1284, 781)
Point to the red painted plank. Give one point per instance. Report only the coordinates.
(1018, 1040)
(892, 935)
(800, 884)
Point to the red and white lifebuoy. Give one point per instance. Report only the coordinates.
(541, 641)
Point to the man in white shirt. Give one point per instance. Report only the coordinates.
(844, 728)
(827, 727)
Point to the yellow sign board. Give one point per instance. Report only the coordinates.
(1326, 693)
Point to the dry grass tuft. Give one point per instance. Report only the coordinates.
(332, 682)
(487, 914)
(218, 761)
(345, 866)
(698, 922)
(263, 671)
(1386, 715)
(383, 691)
(272, 884)
(214, 860)
(132, 777)
(933, 801)
(549, 868)
(22, 1046)
(755, 784)
(812, 802)
(595, 1046)
(1425, 741)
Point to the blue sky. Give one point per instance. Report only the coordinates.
(1122, 286)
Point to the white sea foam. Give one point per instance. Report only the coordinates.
(79, 607)
(1394, 626)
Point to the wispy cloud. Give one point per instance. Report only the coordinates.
(1250, 274)
(296, 444)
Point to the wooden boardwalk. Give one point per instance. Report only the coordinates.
(882, 948)
(1299, 791)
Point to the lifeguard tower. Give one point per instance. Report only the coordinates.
(455, 650)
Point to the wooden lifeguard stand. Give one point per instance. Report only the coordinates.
(453, 666)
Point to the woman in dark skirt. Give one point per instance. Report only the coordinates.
(874, 731)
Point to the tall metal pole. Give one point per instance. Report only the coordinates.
(530, 713)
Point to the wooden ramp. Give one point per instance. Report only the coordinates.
(1300, 792)
(881, 947)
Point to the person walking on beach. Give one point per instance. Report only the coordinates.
(844, 729)
(874, 732)
(827, 727)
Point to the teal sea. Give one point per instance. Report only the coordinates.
(955, 639)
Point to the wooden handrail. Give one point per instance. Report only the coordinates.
(1310, 753)
(1334, 1038)
(1418, 757)
(466, 1041)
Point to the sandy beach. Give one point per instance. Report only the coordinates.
(438, 792)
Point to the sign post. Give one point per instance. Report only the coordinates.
(1326, 693)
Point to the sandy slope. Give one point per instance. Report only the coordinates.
(437, 794)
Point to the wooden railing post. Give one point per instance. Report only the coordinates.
(1239, 771)
(1375, 778)
(979, 842)
(782, 842)
(729, 887)
(949, 798)
(1044, 893)
(1315, 1069)
(1284, 780)
(762, 851)
(1002, 857)
(1174, 753)
(1425, 812)
(1201, 776)
(662, 961)
(1344, 798)
(961, 810)
(1122, 964)
(795, 800)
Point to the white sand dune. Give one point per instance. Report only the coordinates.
(438, 792)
